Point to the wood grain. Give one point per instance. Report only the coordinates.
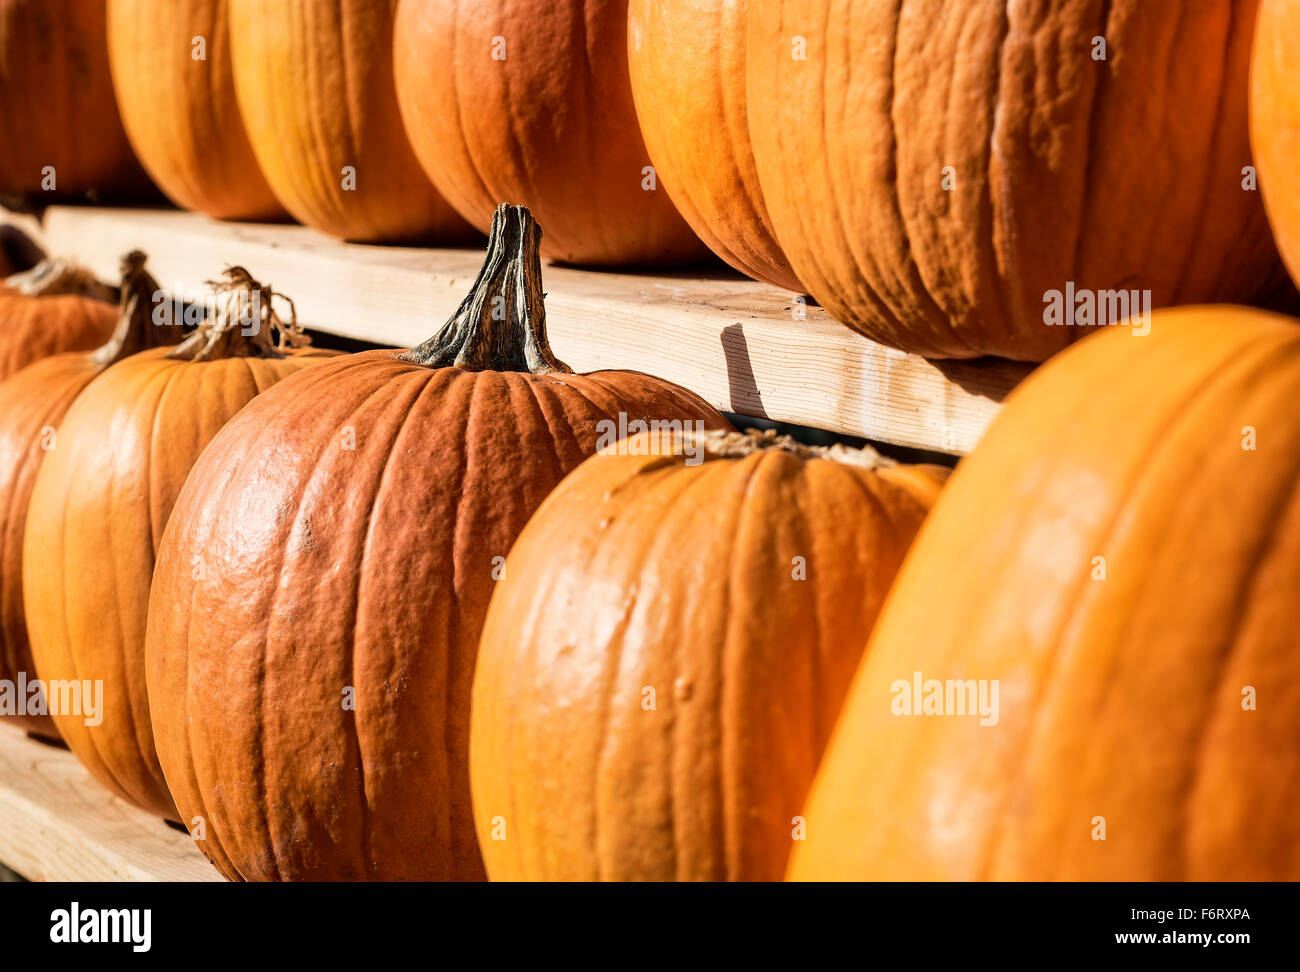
(734, 341)
(58, 824)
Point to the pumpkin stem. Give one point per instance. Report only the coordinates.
(58, 277)
(136, 330)
(501, 325)
(718, 444)
(246, 324)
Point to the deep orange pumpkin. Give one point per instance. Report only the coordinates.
(686, 59)
(97, 512)
(178, 105)
(935, 170)
(663, 661)
(55, 306)
(352, 523)
(58, 118)
(32, 404)
(314, 81)
(1119, 558)
(1275, 121)
(531, 102)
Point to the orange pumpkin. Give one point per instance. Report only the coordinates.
(32, 404)
(97, 512)
(314, 81)
(1275, 121)
(532, 102)
(352, 523)
(1094, 635)
(172, 73)
(59, 124)
(941, 175)
(686, 59)
(664, 659)
(55, 306)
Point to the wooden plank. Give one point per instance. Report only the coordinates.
(58, 824)
(732, 340)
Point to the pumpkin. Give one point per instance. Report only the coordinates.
(59, 124)
(1112, 574)
(686, 60)
(55, 306)
(531, 101)
(351, 524)
(1275, 121)
(314, 82)
(663, 661)
(172, 72)
(32, 404)
(945, 177)
(98, 508)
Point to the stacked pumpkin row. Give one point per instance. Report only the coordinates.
(813, 145)
(389, 616)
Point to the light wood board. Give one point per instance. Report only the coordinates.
(734, 341)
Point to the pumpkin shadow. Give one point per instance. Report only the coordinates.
(742, 386)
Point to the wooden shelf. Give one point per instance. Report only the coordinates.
(732, 340)
(58, 824)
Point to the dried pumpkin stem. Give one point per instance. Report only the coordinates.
(246, 323)
(717, 444)
(136, 330)
(58, 277)
(501, 325)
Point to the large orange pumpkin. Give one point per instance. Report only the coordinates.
(32, 404)
(55, 306)
(59, 124)
(532, 102)
(1275, 121)
(942, 174)
(686, 59)
(352, 523)
(97, 512)
(171, 64)
(663, 661)
(1113, 573)
(314, 81)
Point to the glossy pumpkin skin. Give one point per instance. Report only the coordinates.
(32, 328)
(97, 513)
(1118, 174)
(552, 126)
(650, 574)
(1120, 698)
(180, 113)
(1275, 121)
(370, 568)
(686, 60)
(313, 80)
(56, 103)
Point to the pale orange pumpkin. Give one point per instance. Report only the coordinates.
(663, 661)
(99, 505)
(32, 405)
(1109, 583)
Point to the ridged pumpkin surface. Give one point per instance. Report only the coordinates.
(56, 103)
(551, 124)
(96, 517)
(180, 111)
(1125, 173)
(32, 405)
(369, 568)
(686, 59)
(1275, 121)
(32, 328)
(1154, 693)
(314, 80)
(663, 662)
